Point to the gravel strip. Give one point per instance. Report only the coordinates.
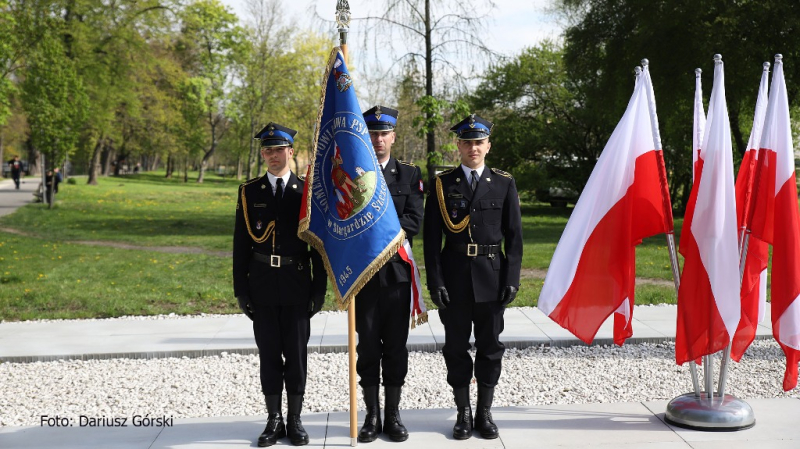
(228, 385)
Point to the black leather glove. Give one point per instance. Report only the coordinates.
(508, 295)
(440, 298)
(244, 304)
(315, 305)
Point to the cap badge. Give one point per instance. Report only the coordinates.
(378, 113)
(472, 121)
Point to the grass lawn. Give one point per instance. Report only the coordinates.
(46, 275)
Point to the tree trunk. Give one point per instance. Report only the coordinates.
(94, 163)
(170, 166)
(2, 148)
(34, 159)
(430, 137)
(107, 156)
(186, 170)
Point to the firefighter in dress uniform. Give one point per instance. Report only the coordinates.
(278, 281)
(475, 275)
(384, 304)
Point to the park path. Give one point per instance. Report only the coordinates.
(11, 200)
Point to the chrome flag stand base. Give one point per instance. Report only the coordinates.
(716, 414)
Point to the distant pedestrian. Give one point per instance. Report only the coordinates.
(16, 170)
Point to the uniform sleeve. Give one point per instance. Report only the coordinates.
(319, 281)
(512, 235)
(242, 247)
(411, 215)
(432, 235)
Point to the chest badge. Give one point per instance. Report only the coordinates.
(454, 213)
(258, 225)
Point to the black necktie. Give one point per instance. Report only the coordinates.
(279, 189)
(474, 182)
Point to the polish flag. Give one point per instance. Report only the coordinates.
(626, 199)
(699, 122)
(775, 219)
(754, 278)
(708, 299)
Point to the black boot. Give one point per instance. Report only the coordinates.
(275, 429)
(463, 428)
(294, 427)
(392, 424)
(483, 414)
(372, 422)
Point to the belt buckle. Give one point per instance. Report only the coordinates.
(472, 249)
(275, 261)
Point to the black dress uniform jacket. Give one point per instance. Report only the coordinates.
(290, 284)
(404, 182)
(494, 217)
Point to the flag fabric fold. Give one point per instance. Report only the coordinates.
(347, 213)
(592, 273)
(754, 278)
(708, 299)
(699, 122)
(775, 219)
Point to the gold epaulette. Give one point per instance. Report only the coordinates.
(249, 181)
(406, 163)
(502, 173)
(447, 171)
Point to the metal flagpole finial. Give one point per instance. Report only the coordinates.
(766, 66)
(697, 72)
(645, 62)
(343, 19)
(778, 57)
(717, 58)
(637, 70)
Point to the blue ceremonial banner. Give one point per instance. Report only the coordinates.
(347, 214)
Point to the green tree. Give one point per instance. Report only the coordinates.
(547, 135)
(54, 99)
(609, 37)
(209, 42)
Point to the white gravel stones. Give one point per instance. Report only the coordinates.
(228, 385)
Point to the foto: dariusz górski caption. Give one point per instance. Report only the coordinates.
(105, 421)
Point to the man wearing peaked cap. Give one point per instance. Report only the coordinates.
(278, 281)
(384, 304)
(476, 275)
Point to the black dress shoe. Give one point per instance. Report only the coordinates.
(484, 423)
(274, 431)
(372, 422)
(392, 424)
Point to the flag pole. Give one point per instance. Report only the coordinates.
(667, 206)
(343, 24)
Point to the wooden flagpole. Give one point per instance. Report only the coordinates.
(343, 23)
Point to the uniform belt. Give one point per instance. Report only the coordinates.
(473, 249)
(276, 261)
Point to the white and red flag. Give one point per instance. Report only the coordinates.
(775, 219)
(754, 277)
(699, 123)
(708, 299)
(592, 273)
